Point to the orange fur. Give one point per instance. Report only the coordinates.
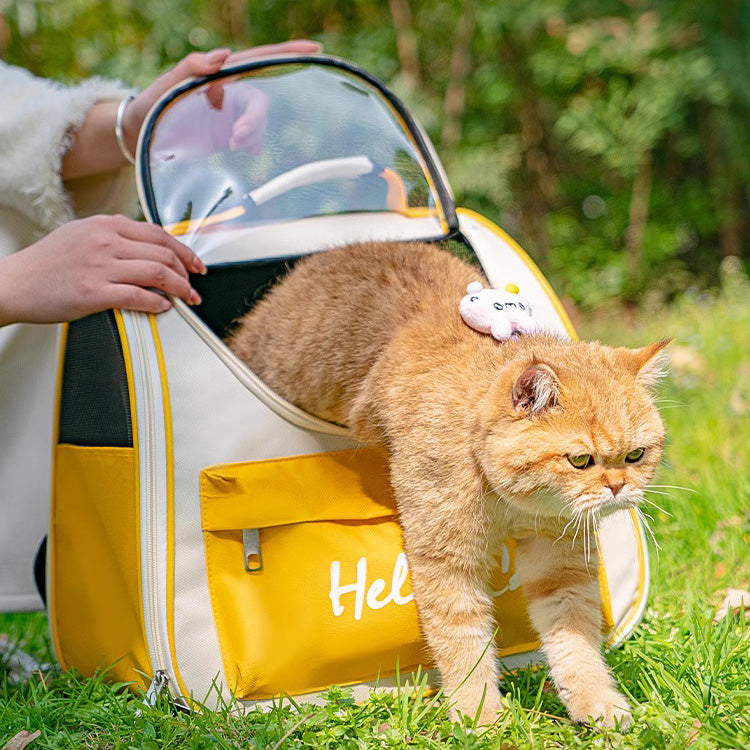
(478, 434)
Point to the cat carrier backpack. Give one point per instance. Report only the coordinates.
(205, 532)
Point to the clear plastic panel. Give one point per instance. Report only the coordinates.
(264, 152)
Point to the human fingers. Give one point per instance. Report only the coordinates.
(155, 235)
(248, 140)
(130, 297)
(194, 64)
(295, 46)
(146, 273)
(206, 63)
(202, 64)
(215, 92)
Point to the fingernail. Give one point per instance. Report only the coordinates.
(197, 265)
(195, 298)
(217, 55)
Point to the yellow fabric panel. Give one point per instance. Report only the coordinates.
(277, 628)
(95, 568)
(340, 485)
(515, 634)
(608, 622)
(332, 604)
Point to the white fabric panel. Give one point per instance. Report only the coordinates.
(309, 235)
(625, 557)
(215, 419)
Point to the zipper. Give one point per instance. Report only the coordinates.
(154, 607)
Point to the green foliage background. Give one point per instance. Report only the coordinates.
(610, 138)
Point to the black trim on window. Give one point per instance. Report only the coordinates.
(445, 197)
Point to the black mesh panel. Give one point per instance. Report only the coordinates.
(229, 290)
(94, 402)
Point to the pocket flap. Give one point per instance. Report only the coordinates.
(336, 486)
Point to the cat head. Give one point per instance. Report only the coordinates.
(571, 427)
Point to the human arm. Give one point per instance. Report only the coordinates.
(94, 264)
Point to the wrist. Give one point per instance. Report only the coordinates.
(9, 312)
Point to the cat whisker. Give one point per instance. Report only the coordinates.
(647, 520)
(587, 537)
(646, 524)
(567, 525)
(672, 487)
(671, 401)
(595, 519)
(567, 506)
(579, 519)
(656, 492)
(658, 507)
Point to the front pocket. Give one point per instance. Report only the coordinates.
(308, 578)
(323, 595)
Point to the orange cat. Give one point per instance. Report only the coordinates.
(534, 438)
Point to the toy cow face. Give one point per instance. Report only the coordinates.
(503, 314)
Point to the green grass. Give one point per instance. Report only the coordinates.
(688, 678)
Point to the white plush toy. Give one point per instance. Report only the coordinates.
(504, 314)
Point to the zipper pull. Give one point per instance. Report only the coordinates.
(158, 685)
(251, 549)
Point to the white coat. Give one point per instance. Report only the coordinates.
(37, 118)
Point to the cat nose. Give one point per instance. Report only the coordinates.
(615, 488)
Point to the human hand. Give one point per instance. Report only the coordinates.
(94, 264)
(94, 150)
(207, 63)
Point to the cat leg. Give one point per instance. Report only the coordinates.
(446, 546)
(456, 617)
(562, 593)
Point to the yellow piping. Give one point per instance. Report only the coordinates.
(50, 540)
(170, 501)
(641, 592)
(192, 225)
(127, 358)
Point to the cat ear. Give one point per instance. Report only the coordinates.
(536, 390)
(650, 363)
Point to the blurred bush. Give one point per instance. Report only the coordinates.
(608, 137)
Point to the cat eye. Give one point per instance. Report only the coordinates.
(635, 455)
(581, 462)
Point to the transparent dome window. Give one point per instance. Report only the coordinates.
(286, 159)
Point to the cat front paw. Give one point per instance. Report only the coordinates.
(467, 702)
(608, 709)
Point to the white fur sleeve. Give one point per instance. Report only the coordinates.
(36, 119)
